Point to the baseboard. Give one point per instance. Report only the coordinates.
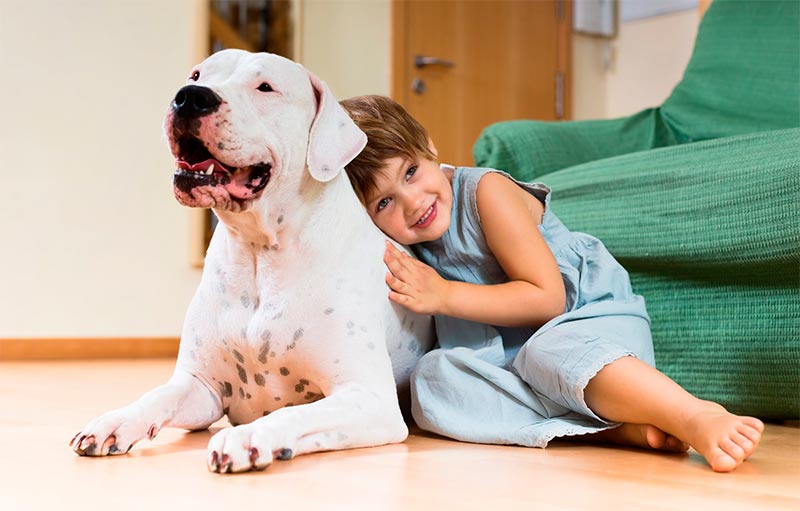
(92, 348)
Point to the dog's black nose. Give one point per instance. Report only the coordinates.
(194, 101)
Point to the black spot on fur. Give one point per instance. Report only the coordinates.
(284, 371)
(262, 354)
(228, 392)
(242, 373)
(259, 378)
(238, 356)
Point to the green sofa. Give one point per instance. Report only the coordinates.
(698, 199)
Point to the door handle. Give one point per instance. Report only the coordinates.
(422, 61)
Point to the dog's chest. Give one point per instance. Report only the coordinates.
(258, 357)
(257, 376)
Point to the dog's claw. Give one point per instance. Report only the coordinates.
(86, 444)
(285, 454)
(152, 432)
(110, 441)
(225, 464)
(213, 463)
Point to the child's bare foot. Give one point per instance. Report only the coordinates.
(640, 435)
(725, 440)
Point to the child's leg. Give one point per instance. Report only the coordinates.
(628, 390)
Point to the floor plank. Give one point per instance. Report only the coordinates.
(42, 404)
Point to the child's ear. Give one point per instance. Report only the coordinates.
(334, 139)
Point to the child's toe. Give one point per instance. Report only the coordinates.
(742, 441)
(733, 449)
(720, 461)
(754, 423)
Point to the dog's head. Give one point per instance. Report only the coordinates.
(248, 122)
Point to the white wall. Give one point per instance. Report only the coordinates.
(93, 242)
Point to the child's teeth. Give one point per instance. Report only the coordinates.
(425, 216)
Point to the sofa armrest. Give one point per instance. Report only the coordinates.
(724, 203)
(530, 149)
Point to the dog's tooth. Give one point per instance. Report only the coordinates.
(210, 169)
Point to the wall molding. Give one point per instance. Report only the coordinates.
(88, 348)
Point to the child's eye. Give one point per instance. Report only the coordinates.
(382, 204)
(411, 171)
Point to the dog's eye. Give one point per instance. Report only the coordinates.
(195, 76)
(265, 87)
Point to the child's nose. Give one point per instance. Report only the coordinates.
(412, 202)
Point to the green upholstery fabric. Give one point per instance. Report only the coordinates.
(710, 235)
(709, 231)
(560, 145)
(743, 73)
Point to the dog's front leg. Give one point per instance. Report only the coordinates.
(351, 416)
(184, 402)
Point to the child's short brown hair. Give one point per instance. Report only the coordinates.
(391, 132)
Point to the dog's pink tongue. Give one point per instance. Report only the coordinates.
(201, 166)
(238, 186)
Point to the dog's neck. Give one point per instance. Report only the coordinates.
(285, 222)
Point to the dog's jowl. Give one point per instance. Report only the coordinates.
(290, 333)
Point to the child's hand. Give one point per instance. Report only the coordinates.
(414, 285)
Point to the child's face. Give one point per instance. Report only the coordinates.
(412, 202)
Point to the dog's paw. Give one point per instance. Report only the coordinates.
(244, 448)
(112, 433)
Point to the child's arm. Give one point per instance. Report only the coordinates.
(535, 291)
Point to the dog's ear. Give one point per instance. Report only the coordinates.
(334, 139)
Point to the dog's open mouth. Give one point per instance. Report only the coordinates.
(197, 167)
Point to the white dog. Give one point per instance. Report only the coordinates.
(290, 332)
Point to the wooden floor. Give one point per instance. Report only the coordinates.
(43, 404)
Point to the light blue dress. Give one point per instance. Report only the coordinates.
(524, 386)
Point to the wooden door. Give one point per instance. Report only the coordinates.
(487, 61)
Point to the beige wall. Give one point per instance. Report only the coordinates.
(346, 43)
(636, 70)
(93, 243)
